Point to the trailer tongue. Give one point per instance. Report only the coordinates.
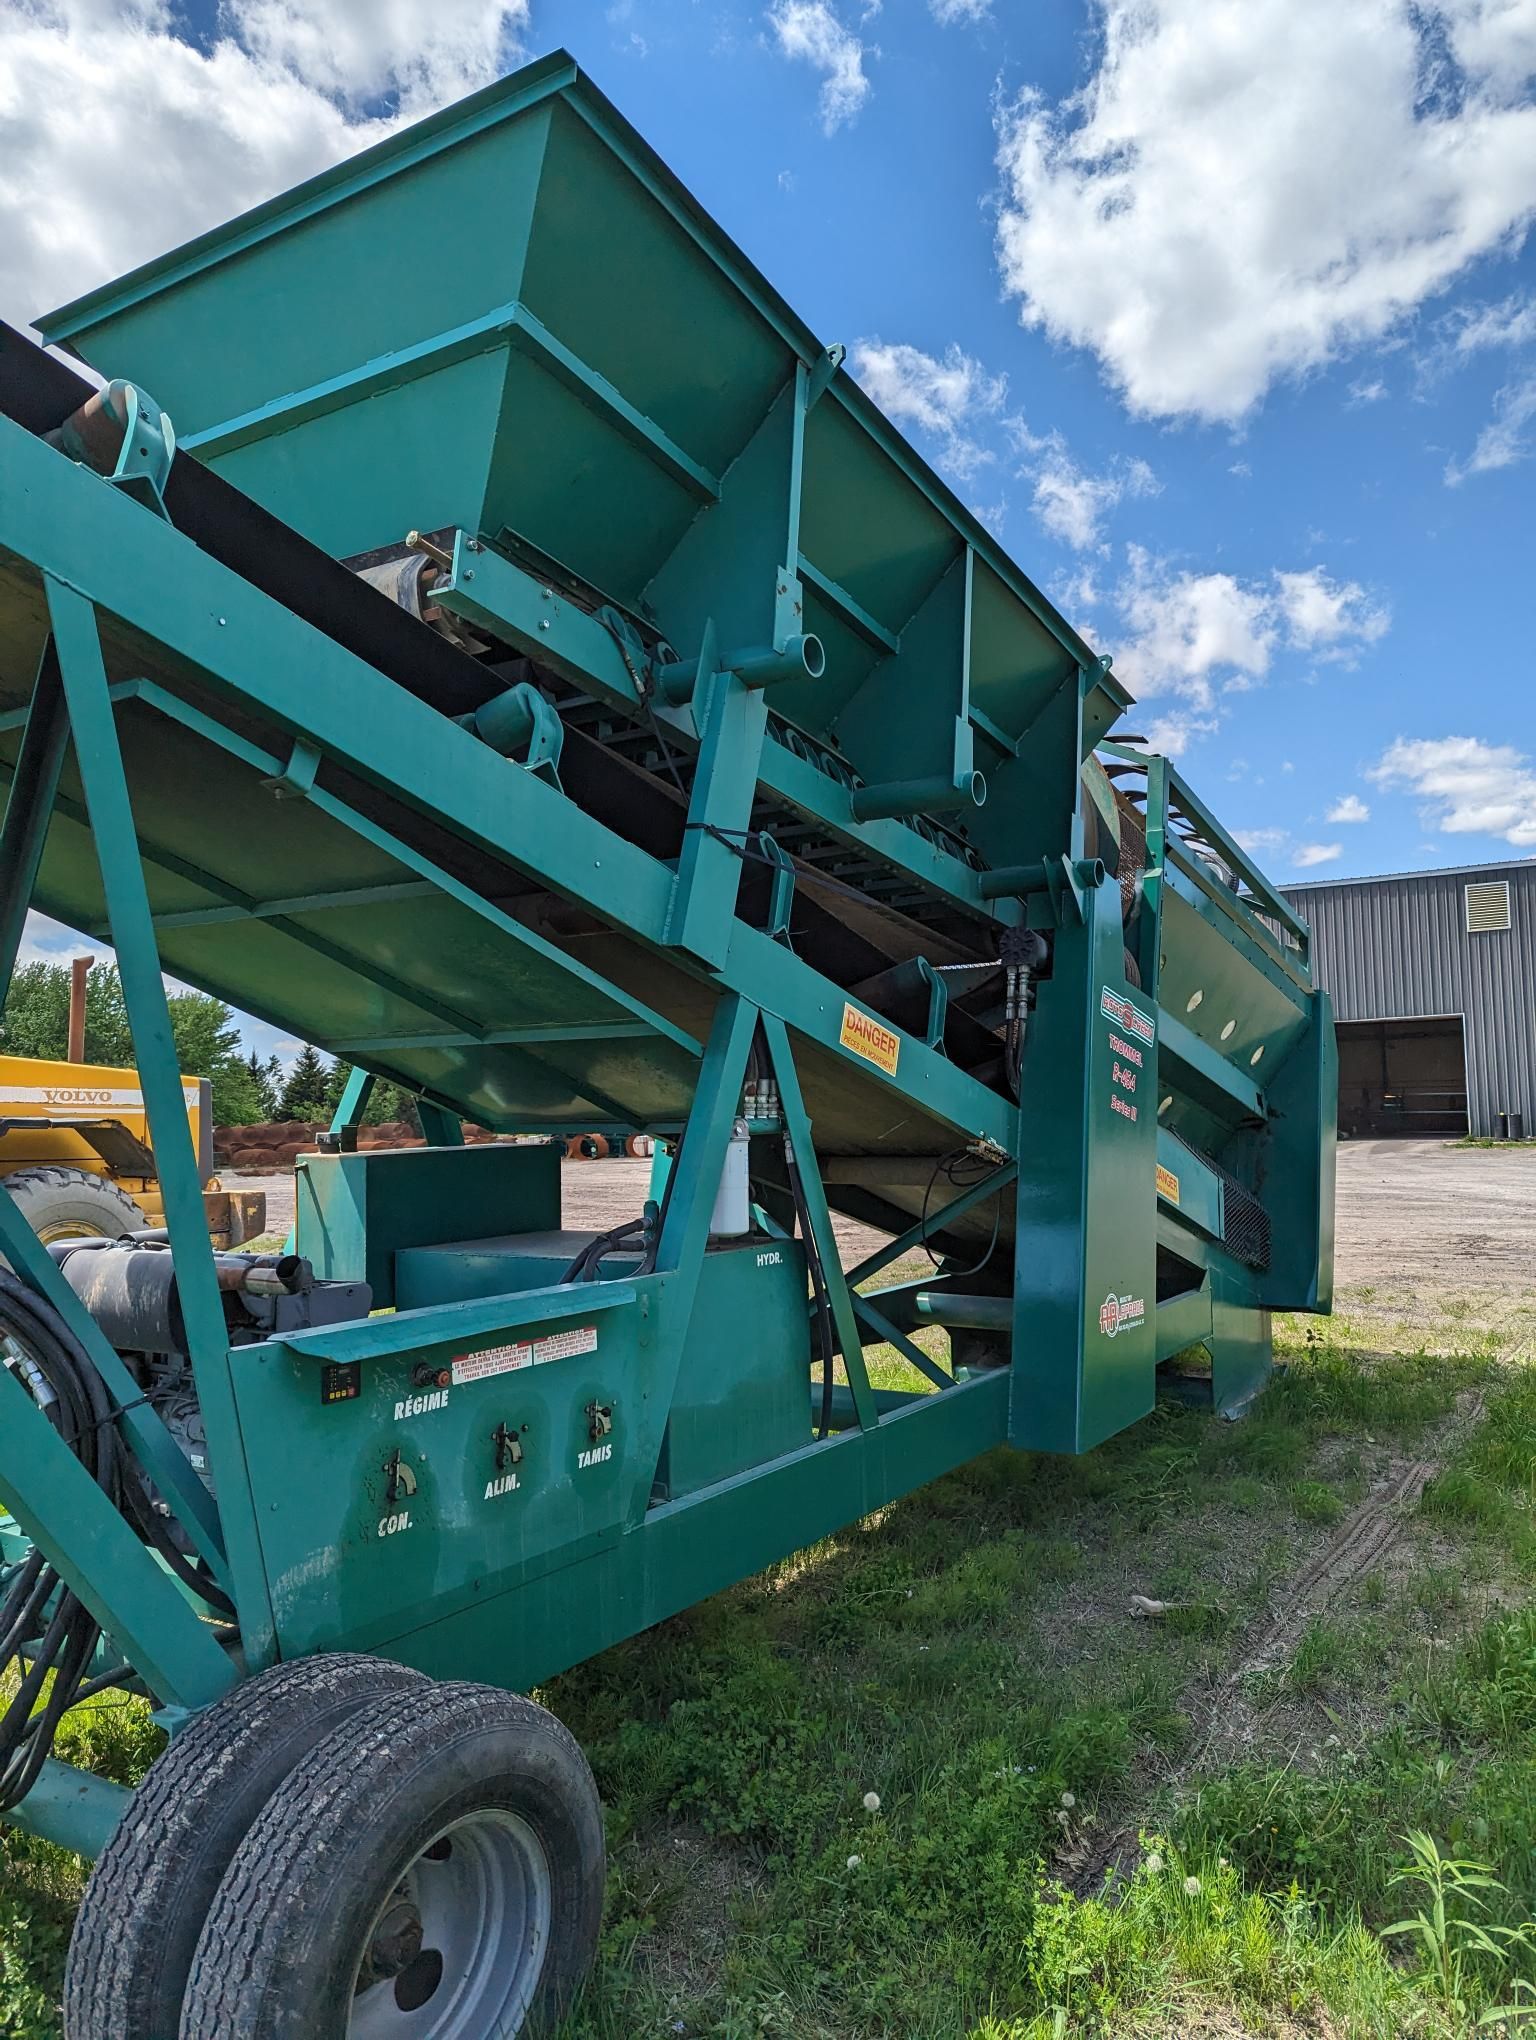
(541, 677)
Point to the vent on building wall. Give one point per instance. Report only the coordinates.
(1488, 907)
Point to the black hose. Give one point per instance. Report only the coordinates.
(826, 1337)
(45, 1628)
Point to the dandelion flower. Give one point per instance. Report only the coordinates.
(1155, 1864)
(871, 1802)
(1068, 1800)
(1192, 1887)
(854, 1862)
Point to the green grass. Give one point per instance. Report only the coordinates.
(972, 1656)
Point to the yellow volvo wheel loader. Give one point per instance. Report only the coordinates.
(75, 1153)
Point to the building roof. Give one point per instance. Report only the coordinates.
(1393, 877)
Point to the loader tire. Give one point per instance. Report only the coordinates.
(152, 1886)
(434, 1867)
(73, 1204)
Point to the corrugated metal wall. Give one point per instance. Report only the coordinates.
(1398, 948)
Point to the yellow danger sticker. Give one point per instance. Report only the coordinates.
(864, 1035)
(1167, 1184)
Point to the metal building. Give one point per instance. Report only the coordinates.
(1433, 979)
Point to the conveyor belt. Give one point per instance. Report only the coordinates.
(39, 391)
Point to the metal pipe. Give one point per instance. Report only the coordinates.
(72, 1809)
(963, 1313)
(79, 972)
(1014, 881)
(901, 797)
(801, 658)
(264, 1275)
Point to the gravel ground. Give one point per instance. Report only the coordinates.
(1433, 1217)
(1440, 1218)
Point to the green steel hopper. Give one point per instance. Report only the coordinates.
(532, 670)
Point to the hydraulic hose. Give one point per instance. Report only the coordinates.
(45, 1629)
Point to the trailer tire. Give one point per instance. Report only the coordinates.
(64, 1204)
(152, 1886)
(441, 1846)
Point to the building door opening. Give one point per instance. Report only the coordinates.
(1402, 1076)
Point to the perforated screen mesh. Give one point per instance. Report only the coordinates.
(1245, 1222)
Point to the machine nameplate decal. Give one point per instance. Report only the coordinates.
(1121, 1314)
(866, 1036)
(560, 1345)
(1167, 1184)
(492, 1360)
(1115, 1006)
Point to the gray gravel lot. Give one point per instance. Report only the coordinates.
(1431, 1217)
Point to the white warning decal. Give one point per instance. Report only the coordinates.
(560, 1345)
(492, 1360)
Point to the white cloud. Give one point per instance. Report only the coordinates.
(942, 396)
(1330, 619)
(120, 139)
(809, 31)
(1171, 735)
(1279, 846)
(1511, 323)
(1071, 504)
(1467, 786)
(1201, 635)
(1261, 842)
(358, 51)
(48, 941)
(1242, 192)
(947, 12)
(1351, 808)
(1503, 440)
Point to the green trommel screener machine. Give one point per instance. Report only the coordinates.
(533, 671)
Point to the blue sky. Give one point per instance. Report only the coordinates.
(1220, 311)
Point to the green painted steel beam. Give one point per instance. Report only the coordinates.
(497, 1037)
(261, 657)
(264, 658)
(531, 337)
(1194, 1060)
(302, 903)
(837, 597)
(450, 1324)
(799, 1139)
(98, 759)
(914, 1355)
(508, 325)
(71, 1808)
(1180, 865)
(934, 1222)
(34, 785)
(101, 1560)
(534, 618)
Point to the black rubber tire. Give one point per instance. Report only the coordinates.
(284, 1938)
(152, 1886)
(52, 1195)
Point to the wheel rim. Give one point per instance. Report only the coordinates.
(71, 1229)
(457, 1949)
